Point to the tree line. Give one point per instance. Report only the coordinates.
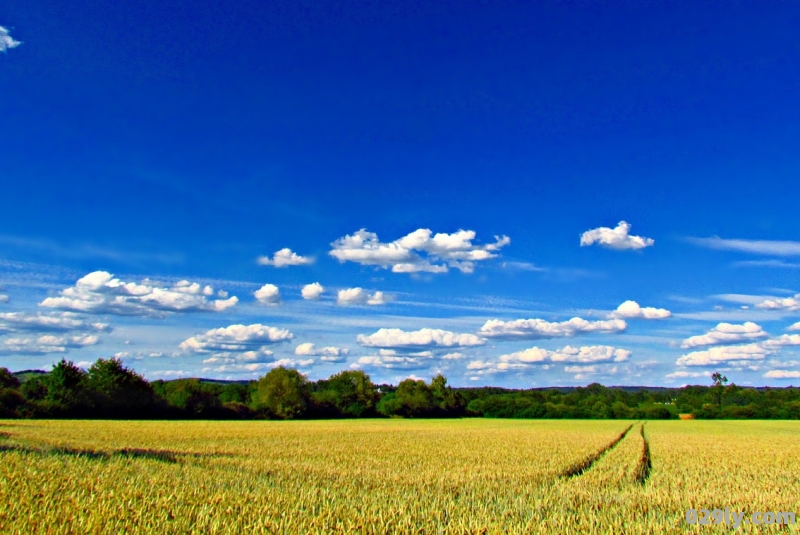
(110, 390)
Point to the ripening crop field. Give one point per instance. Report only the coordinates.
(392, 476)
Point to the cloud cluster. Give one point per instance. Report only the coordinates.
(359, 296)
(617, 238)
(285, 258)
(390, 362)
(536, 356)
(39, 334)
(419, 251)
(326, 354)
(632, 310)
(726, 333)
(312, 291)
(786, 303)
(47, 343)
(724, 355)
(538, 328)
(23, 321)
(100, 293)
(6, 41)
(268, 295)
(236, 338)
(421, 339)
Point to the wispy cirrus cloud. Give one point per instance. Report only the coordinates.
(766, 247)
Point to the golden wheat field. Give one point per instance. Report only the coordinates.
(392, 476)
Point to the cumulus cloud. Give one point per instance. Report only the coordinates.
(794, 327)
(359, 296)
(632, 310)
(615, 238)
(782, 341)
(726, 333)
(419, 251)
(537, 356)
(782, 374)
(423, 338)
(312, 291)
(268, 295)
(6, 41)
(236, 338)
(326, 354)
(724, 355)
(285, 258)
(778, 303)
(539, 328)
(100, 293)
(767, 247)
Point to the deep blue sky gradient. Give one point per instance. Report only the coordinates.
(191, 137)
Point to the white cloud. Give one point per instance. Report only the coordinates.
(768, 247)
(359, 296)
(581, 369)
(390, 362)
(268, 295)
(724, 355)
(236, 338)
(100, 293)
(767, 263)
(284, 258)
(46, 344)
(539, 328)
(453, 356)
(248, 357)
(684, 374)
(23, 321)
(615, 238)
(326, 354)
(726, 333)
(423, 338)
(782, 341)
(419, 251)
(794, 327)
(780, 303)
(536, 356)
(6, 41)
(782, 374)
(312, 291)
(3, 298)
(632, 310)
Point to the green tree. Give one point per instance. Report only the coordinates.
(119, 391)
(66, 388)
(7, 380)
(282, 393)
(718, 390)
(413, 398)
(351, 393)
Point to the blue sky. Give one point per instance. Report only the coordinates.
(482, 173)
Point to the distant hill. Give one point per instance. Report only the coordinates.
(25, 375)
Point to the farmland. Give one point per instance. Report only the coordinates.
(390, 476)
